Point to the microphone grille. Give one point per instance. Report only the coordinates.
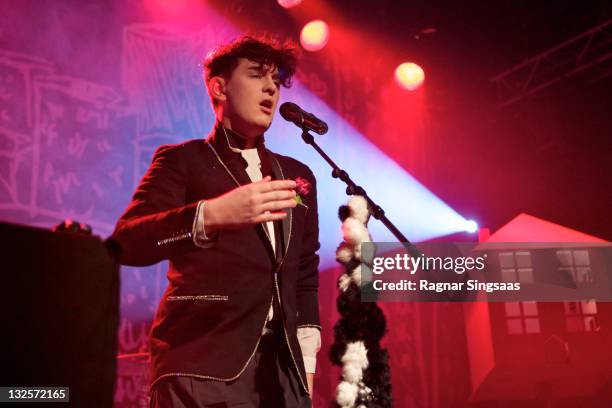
(287, 108)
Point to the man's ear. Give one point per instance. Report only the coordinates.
(216, 87)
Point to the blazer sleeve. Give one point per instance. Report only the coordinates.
(308, 271)
(158, 223)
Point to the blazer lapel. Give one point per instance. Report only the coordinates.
(288, 220)
(236, 167)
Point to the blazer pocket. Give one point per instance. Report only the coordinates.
(198, 297)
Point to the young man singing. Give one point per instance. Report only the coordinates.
(238, 324)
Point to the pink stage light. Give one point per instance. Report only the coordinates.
(173, 7)
(289, 3)
(409, 75)
(314, 35)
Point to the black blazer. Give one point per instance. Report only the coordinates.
(210, 319)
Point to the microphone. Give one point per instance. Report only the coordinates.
(302, 119)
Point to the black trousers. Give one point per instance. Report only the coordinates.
(269, 381)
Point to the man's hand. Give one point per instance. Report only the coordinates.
(250, 204)
(310, 379)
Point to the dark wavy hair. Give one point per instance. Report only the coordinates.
(266, 51)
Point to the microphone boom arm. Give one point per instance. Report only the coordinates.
(354, 189)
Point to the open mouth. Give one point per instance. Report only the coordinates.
(266, 106)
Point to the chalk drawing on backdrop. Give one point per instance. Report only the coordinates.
(73, 148)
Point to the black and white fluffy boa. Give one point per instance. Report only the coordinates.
(365, 368)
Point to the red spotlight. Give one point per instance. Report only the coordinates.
(409, 75)
(289, 3)
(314, 35)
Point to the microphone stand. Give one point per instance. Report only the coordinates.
(353, 189)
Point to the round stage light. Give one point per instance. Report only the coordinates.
(314, 35)
(289, 3)
(471, 226)
(409, 75)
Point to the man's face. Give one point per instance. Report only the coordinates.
(252, 95)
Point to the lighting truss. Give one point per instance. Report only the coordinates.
(588, 54)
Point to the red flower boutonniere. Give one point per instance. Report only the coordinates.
(303, 187)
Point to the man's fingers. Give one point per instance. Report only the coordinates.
(278, 205)
(270, 216)
(265, 186)
(277, 195)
